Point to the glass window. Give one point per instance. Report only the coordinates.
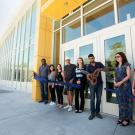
(71, 31)
(33, 23)
(99, 19)
(84, 51)
(23, 33)
(92, 5)
(56, 50)
(25, 65)
(112, 46)
(71, 17)
(27, 32)
(70, 55)
(126, 9)
(31, 63)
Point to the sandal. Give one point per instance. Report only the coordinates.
(125, 123)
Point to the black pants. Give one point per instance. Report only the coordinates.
(44, 91)
(52, 91)
(95, 91)
(81, 93)
(59, 90)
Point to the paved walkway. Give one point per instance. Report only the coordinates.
(19, 115)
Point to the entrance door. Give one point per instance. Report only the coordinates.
(113, 41)
(80, 48)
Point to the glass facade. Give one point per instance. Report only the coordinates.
(72, 31)
(126, 9)
(17, 50)
(96, 20)
(93, 16)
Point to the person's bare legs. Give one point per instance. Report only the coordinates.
(70, 98)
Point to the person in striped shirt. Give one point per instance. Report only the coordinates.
(80, 79)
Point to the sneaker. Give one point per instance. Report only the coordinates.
(45, 102)
(60, 106)
(76, 111)
(66, 107)
(70, 109)
(80, 111)
(51, 103)
(91, 116)
(98, 115)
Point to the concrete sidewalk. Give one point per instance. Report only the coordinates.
(19, 115)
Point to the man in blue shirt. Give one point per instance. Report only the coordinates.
(96, 86)
(43, 72)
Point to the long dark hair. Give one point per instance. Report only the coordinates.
(60, 67)
(124, 58)
(82, 62)
(50, 67)
(57, 69)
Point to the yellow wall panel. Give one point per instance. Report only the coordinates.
(59, 8)
(44, 50)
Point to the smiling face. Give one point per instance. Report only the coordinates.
(80, 62)
(51, 68)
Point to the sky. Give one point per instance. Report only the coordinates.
(8, 11)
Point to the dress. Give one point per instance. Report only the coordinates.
(124, 93)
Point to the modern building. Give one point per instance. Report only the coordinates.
(55, 29)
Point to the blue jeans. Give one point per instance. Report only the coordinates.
(44, 91)
(95, 91)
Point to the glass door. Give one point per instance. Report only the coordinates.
(111, 43)
(133, 47)
(80, 48)
(68, 51)
(85, 47)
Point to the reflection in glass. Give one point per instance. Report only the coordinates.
(99, 19)
(70, 54)
(25, 66)
(31, 63)
(112, 46)
(84, 51)
(71, 31)
(126, 9)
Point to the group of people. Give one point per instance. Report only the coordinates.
(81, 75)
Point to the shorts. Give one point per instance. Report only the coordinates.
(68, 87)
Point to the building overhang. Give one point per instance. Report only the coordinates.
(57, 9)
